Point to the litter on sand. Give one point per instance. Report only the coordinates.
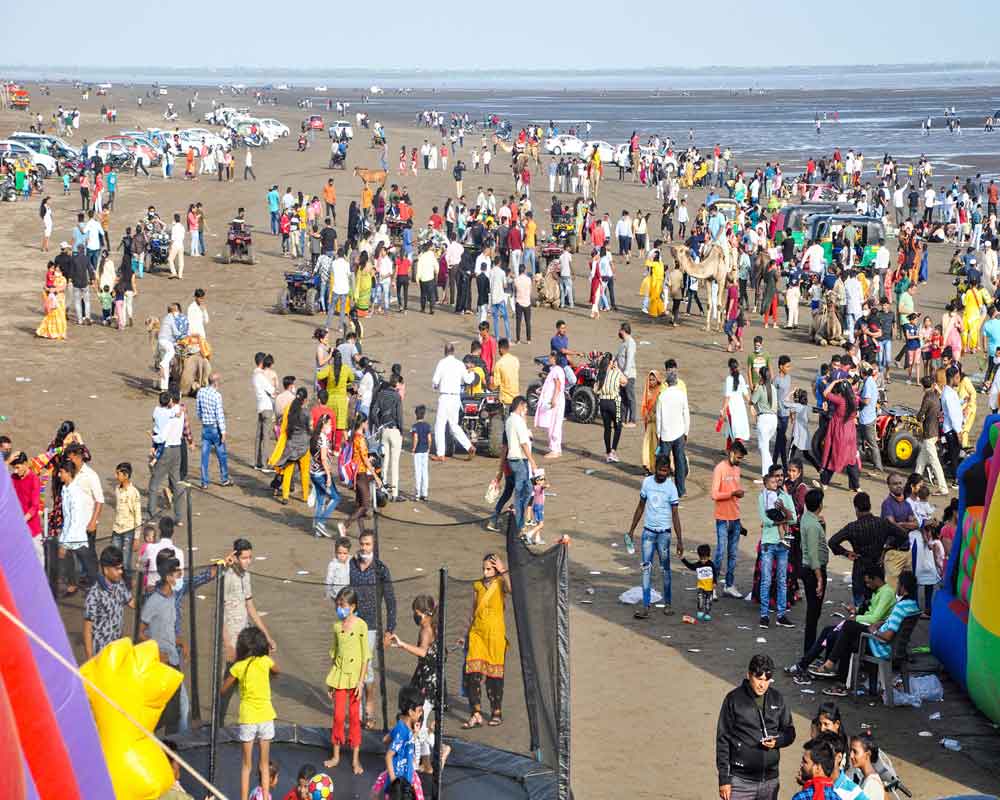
(761, 640)
(418, 569)
(260, 558)
(589, 471)
(808, 691)
(743, 627)
(595, 572)
(925, 733)
(935, 715)
(587, 602)
(694, 650)
(633, 596)
(302, 572)
(951, 744)
(643, 341)
(591, 590)
(201, 597)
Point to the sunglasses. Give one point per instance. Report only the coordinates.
(765, 674)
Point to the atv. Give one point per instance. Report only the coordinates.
(898, 433)
(301, 293)
(581, 399)
(239, 243)
(482, 418)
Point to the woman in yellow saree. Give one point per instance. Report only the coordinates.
(53, 325)
(654, 288)
(337, 376)
(292, 448)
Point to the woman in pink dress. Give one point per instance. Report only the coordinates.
(551, 408)
(951, 327)
(840, 445)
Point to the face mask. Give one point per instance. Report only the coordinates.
(343, 613)
(416, 619)
(179, 585)
(366, 556)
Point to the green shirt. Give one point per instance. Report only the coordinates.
(815, 553)
(880, 606)
(770, 533)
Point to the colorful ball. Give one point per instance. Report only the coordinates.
(320, 787)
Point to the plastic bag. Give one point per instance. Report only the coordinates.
(492, 492)
(927, 687)
(633, 596)
(901, 698)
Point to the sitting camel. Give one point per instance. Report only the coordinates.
(714, 266)
(826, 326)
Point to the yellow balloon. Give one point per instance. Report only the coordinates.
(136, 679)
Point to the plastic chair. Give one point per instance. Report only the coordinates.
(880, 669)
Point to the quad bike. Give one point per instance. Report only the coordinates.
(239, 243)
(7, 191)
(898, 433)
(581, 399)
(159, 251)
(337, 161)
(564, 230)
(482, 418)
(301, 293)
(377, 141)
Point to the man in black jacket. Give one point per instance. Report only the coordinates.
(754, 724)
(387, 413)
(81, 278)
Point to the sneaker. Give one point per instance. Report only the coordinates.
(491, 526)
(700, 616)
(793, 669)
(642, 613)
(706, 617)
(668, 611)
(765, 622)
(732, 591)
(715, 594)
(802, 680)
(785, 622)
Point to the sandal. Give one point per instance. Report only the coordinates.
(475, 721)
(820, 672)
(836, 691)
(496, 720)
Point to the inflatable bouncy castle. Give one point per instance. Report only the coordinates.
(965, 625)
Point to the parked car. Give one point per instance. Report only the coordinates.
(55, 146)
(145, 140)
(196, 136)
(564, 144)
(274, 129)
(142, 150)
(606, 151)
(341, 128)
(109, 149)
(314, 121)
(46, 165)
(826, 228)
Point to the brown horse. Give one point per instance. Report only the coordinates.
(376, 176)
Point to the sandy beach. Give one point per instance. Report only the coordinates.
(645, 694)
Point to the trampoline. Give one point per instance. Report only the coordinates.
(473, 770)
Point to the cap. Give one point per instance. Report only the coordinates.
(64, 245)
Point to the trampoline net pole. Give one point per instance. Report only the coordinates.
(379, 637)
(139, 575)
(562, 673)
(192, 638)
(439, 700)
(216, 682)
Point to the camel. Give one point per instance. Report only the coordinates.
(715, 267)
(826, 327)
(367, 176)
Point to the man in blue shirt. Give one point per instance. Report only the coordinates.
(560, 345)
(273, 203)
(867, 415)
(991, 338)
(658, 508)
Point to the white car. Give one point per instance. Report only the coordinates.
(606, 151)
(193, 137)
(339, 128)
(53, 145)
(46, 165)
(273, 129)
(564, 144)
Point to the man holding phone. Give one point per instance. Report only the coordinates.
(754, 724)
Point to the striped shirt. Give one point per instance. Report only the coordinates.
(209, 407)
(903, 608)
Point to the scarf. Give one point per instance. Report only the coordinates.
(819, 785)
(650, 394)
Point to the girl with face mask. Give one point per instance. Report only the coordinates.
(345, 681)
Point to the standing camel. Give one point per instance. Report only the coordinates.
(714, 267)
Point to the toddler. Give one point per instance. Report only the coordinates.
(338, 571)
(538, 486)
(148, 540)
(65, 182)
(706, 573)
(258, 793)
(400, 755)
(107, 303)
(301, 789)
(922, 509)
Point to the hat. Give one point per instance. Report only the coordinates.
(64, 245)
(539, 473)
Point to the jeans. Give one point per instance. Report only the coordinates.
(781, 443)
(125, 541)
(522, 489)
(274, 223)
(530, 259)
(675, 449)
(265, 427)
(744, 789)
(770, 553)
(727, 538)
(500, 310)
(869, 436)
(338, 299)
(885, 355)
(814, 605)
(655, 542)
(566, 291)
(522, 313)
(327, 497)
(628, 401)
(421, 473)
(505, 495)
(211, 439)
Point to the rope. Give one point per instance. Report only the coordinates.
(413, 524)
(93, 687)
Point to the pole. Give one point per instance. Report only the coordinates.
(379, 640)
(139, 596)
(216, 675)
(192, 626)
(439, 700)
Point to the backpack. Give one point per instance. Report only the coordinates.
(346, 467)
(181, 325)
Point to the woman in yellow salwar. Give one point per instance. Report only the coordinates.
(53, 325)
(654, 284)
(975, 302)
(336, 377)
(650, 394)
(967, 394)
(487, 643)
(292, 448)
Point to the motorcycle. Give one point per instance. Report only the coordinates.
(581, 398)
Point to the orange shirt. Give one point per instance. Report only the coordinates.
(726, 480)
(330, 193)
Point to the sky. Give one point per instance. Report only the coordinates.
(570, 34)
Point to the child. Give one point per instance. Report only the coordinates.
(400, 754)
(301, 789)
(800, 411)
(538, 486)
(350, 655)
(338, 571)
(815, 294)
(119, 305)
(482, 292)
(926, 335)
(128, 515)
(912, 336)
(922, 509)
(65, 183)
(707, 574)
(252, 670)
(107, 303)
(937, 345)
(421, 437)
(258, 793)
(926, 551)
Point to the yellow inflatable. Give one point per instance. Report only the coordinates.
(136, 679)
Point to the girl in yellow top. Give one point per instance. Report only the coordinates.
(350, 655)
(252, 670)
(487, 642)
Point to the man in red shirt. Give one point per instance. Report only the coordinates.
(992, 195)
(514, 244)
(436, 221)
(726, 493)
(596, 230)
(403, 266)
(489, 345)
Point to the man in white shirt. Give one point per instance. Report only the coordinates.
(340, 288)
(168, 465)
(929, 199)
(882, 260)
(519, 457)
(566, 278)
(94, 234)
(165, 340)
(288, 199)
(197, 314)
(248, 165)
(814, 261)
(952, 418)
(853, 303)
(175, 257)
(89, 482)
(623, 230)
(263, 393)
(426, 275)
(673, 421)
(898, 195)
(450, 375)
(453, 258)
(498, 299)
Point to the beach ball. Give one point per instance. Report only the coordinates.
(320, 787)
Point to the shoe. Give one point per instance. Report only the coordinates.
(785, 622)
(227, 483)
(820, 672)
(668, 611)
(802, 680)
(203, 486)
(642, 613)
(491, 526)
(706, 617)
(835, 691)
(765, 622)
(700, 616)
(341, 530)
(793, 669)
(715, 594)
(732, 591)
